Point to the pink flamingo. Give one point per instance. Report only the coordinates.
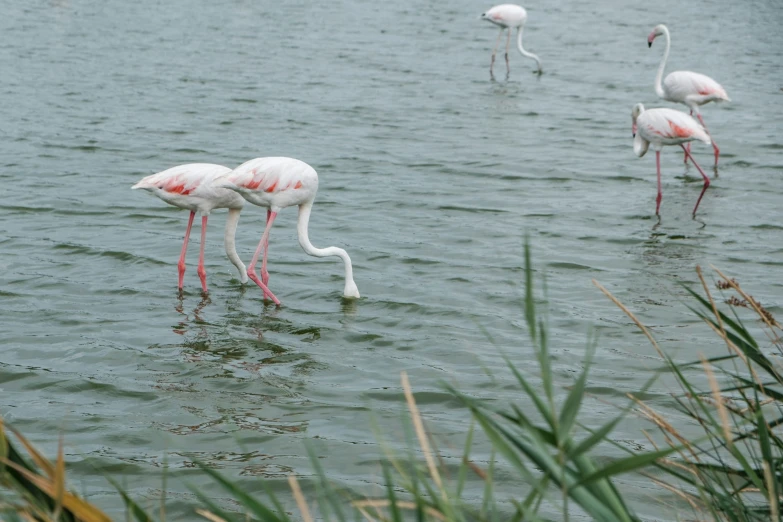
(666, 127)
(276, 183)
(193, 188)
(686, 87)
(508, 16)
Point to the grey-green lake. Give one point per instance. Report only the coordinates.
(431, 175)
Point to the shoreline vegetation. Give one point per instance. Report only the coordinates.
(731, 471)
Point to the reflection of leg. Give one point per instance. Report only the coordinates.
(181, 265)
(251, 270)
(202, 272)
(660, 194)
(508, 42)
(714, 145)
(703, 175)
(495, 50)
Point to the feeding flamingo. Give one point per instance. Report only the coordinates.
(193, 188)
(276, 183)
(686, 87)
(666, 127)
(508, 16)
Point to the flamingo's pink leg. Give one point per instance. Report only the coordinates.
(264, 273)
(495, 50)
(251, 269)
(660, 193)
(181, 265)
(703, 175)
(202, 272)
(714, 145)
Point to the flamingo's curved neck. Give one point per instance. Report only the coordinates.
(659, 76)
(231, 249)
(525, 53)
(304, 241)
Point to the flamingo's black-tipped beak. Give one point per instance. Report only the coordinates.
(649, 44)
(633, 135)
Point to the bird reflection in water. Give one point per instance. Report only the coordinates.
(181, 327)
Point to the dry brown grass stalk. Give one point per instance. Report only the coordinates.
(418, 425)
(210, 516)
(300, 500)
(401, 504)
(688, 497)
(765, 315)
(722, 332)
(716, 395)
(666, 428)
(80, 508)
(773, 498)
(627, 312)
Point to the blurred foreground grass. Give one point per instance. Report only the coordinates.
(732, 471)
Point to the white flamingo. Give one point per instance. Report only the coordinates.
(661, 127)
(276, 183)
(509, 16)
(686, 87)
(193, 188)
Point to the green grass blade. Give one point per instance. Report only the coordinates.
(209, 503)
(393, 508)
(573, 401)
(627, 464)
(138, 513)
(326, 487)
(251, 504)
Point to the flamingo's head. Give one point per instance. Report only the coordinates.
(351, 291)
(635, 112)
(657, 31)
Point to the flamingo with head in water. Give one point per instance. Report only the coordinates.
(509, 16)
(276, 183)
(686, 87)
(661, 127)
(193, 188)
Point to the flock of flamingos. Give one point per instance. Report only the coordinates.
(276, 183)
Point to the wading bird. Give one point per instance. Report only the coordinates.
(193, 188)
(686, 87)
(666, 127)
(508, 16)
(276, 183)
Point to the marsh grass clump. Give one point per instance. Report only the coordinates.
(33, 488)
(731, 469)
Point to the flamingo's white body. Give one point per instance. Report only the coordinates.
(661, 127)
(193, 187)
(276, 183)
(509, 16)
(689, 88)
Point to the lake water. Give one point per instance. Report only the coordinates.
(431, 174)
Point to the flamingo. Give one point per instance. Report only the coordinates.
(508, 16)
(193, 188)
(666, 127)
(276, 183)
(686, 87)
